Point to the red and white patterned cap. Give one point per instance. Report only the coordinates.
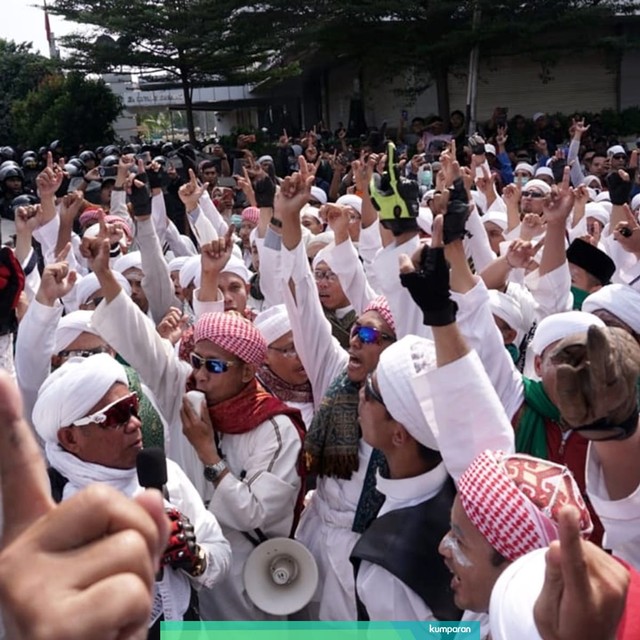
(252, 214)
(381, 305)
(234, 334)
(514, 500)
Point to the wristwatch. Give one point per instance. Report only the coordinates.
(213, 471)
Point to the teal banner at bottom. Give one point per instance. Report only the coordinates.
(320, 630)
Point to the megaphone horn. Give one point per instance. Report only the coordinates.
(280, 576)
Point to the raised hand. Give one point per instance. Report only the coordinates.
(172, 325)
(216, 254)
(531, 226)
(191, 191)
(56, 282)
(520, 253)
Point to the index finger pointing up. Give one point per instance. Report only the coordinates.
(26, 493)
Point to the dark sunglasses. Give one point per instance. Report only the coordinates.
(82, 353)
(619, 156)
(370, 393)
(114, 415)
(369, 335)
(212, 365)
(532, 194)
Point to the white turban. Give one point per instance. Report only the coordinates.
(603, 196)
(238, 268)
(524, 166)
(177, 263)
(514, 596)
(310, 210)
(560, 325)
(273, 323)
(326, 253)
(398, 364)
(538, 184)
(70, 327)
(635, 202)
(87, 286)
(497, 217)
(598, 211)
(350, 200)
(262, 159)
(425, 219)
(508, 309)
(621, 300)
(191, 270)
(131, 260)
(71, 391)
(318, 194)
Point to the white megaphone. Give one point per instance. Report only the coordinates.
(280, 576)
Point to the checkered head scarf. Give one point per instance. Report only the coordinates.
(514, 500)
(381, 305)
(233, 333)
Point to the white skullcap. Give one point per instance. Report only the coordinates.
(262, 159)
(191, 270)
(489, 148)
(273, 323)
(131, 260)
(603, 196)
(596, 210)
(177, 263)
(318, 194)
(621, 300)
(560, 325)
(237, 267)
(635, 202)
(350, 200)
(310, 210)
(615, 149)
(70, 327)
(398, 364)
(326, 253)
(514, 595)
(89, 284)
(71, 391)
(508, 309)
(524, 166)
(588, 181)
(538, 114)
(425, 219)
(497, 217)
(539, 184)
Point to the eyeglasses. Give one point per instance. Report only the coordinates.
(286, 352)
(212, 365)
(82, 353)
(532, 194)
(327, 275)
(370, 393)
(114, 415)
(619, 156)
(369, 335)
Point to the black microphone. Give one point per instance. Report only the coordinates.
(151, 466)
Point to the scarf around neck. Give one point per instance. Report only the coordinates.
(531, 434)
(284, 390)
(341, 327)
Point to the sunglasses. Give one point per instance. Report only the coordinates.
(369, 335)
(82, 353)
(212, 365)
(619, 156)
(532, 194)
(114, 415)
(370, 393)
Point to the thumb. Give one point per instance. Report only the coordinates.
(406, 266)
(629, 215)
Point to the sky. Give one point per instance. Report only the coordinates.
(23, 21)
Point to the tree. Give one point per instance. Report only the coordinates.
(192, 42)
(21, 71)
(72, 108)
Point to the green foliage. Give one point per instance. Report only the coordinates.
(77, 110)
(21, 71)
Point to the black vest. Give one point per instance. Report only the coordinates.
(405, 543)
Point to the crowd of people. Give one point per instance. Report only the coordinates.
(420, 361)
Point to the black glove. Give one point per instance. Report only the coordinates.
(395, 197)
(476, 142)
(11, 286)
(619, 189)
(429, 288)
(156, 178)
(453, 227)
(182, 552)
(141, 196)
(265, 192)
(187, 154)
(63, 189)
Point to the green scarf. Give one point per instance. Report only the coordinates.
(531, 435)
(152, 429)
(331, 445)
(579, 296)
(341, 327)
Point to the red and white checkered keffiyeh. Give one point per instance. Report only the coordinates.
(251, 214)
(514, 500)
(232, 333)
(381, 305)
